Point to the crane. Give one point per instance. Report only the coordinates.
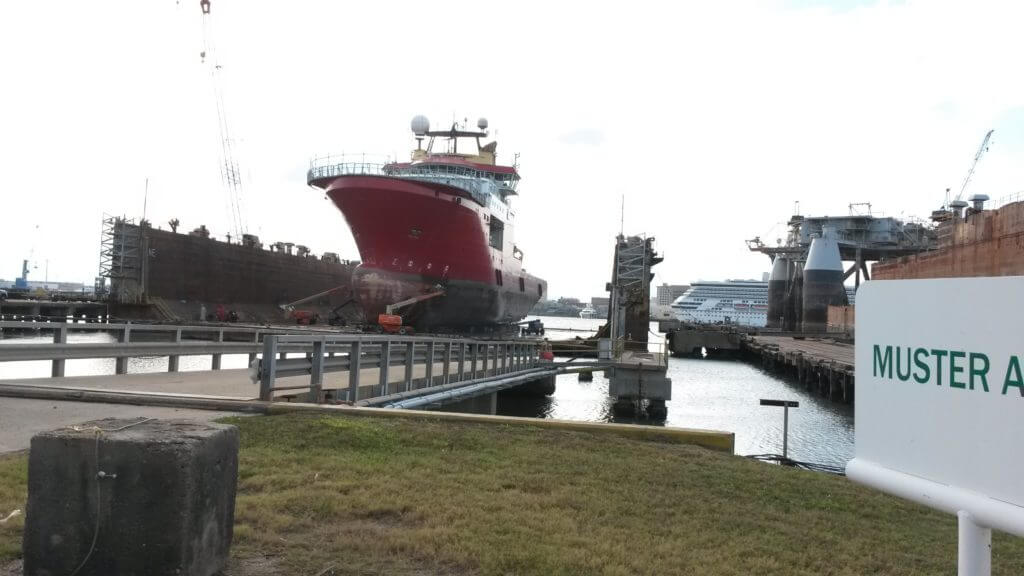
(231, 175)
(967, 179)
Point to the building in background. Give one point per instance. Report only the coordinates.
(600, 306)
(667, 293)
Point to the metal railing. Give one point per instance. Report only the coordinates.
(442, 362)
(656, 352)
(174, 342)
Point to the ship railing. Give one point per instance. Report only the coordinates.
(324, 167)
(405, 366)
(1010, 198)
(325, 171)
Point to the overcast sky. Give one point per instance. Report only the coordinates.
(712, 118)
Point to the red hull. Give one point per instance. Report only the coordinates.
(413, 236)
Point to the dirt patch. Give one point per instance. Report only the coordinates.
(12, 568)
(260, 566)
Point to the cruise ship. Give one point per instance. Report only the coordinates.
(742, 302)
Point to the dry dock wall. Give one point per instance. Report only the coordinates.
(988, 243)
(194, 269)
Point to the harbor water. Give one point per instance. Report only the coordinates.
(713, 394)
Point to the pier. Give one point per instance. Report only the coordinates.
(823, 365)
(54, 310)
(822, 362)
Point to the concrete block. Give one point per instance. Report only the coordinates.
(162, 493)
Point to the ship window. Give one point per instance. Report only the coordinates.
(497, 235)
(522, 285)
(498, 278)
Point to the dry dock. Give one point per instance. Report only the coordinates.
(824, 365)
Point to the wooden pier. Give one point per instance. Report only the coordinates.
(820, 364)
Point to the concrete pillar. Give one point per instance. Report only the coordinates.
(157, 496)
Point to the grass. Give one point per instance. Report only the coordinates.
(411, 496)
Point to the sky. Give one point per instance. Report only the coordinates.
(710, 119)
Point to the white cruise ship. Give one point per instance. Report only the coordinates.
(743, 302)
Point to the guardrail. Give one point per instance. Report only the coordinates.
(461, 360)
(204, 340)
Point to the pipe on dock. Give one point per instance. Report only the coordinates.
(822, 281)
(459, 393)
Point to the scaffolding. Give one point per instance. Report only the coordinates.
(121, 251)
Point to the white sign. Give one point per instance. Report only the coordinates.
(939, 406)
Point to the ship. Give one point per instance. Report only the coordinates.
(740, 302)
(436, 234)
(588, 312)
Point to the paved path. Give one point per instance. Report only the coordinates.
(21, 418)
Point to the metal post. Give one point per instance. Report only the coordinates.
(430, 364)
(215, 364)
(255, 340)
(354, 366)
(121, 364)
(472, 367)
(503, 350)
(462, 360)
(172, 360)
(785, 431)
(410, 350)
(316, 372)
(268, 368)
(60, 336)
(486, 353)
(447, 370)
(385, 365)
(974, 548)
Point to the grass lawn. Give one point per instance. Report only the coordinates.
(413, 496)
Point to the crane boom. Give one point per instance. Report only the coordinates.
(231, 174)
(977, 156)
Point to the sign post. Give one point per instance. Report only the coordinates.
(940, 399)
(786, 405)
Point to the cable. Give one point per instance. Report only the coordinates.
(786, 461)
(100, 475)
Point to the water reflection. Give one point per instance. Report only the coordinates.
(713, 394)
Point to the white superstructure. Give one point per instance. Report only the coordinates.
(742, 302)
(588, 312)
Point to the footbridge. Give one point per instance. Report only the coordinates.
(283, 365)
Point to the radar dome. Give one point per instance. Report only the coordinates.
(482, 123)
(420, 124)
